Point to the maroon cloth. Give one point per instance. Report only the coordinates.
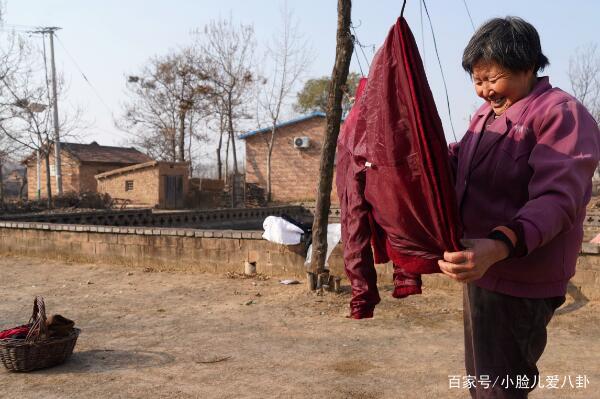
(393, 174)
(531, 169)
(405, 283)
(15, 333)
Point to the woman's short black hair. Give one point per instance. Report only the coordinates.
(511, 42)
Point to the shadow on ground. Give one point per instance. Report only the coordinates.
(105, 360)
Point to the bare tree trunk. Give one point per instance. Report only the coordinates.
(220, 146)
(235, 171)
(181, 144)
(235, 164)
(48, 180)
(227, 159)
(1, 186)
(343, 55)
(233, 151)
(173, 149)
(269, 157)
(24, 183)
(191, 134)
(269, 196)
(219, 161)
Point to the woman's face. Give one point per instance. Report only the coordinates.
(501, 87)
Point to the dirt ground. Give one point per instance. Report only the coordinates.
(153, 334)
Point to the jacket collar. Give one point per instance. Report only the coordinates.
(513, 113)
(509, 118)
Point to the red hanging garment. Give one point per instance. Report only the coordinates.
(393, 175)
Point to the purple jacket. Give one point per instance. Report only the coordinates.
(534, 167)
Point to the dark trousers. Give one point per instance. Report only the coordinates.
(504, 338)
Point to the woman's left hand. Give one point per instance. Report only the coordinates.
(472, 263)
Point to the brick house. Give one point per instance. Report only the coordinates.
(152, 184)
(295, 158)
(79, 164)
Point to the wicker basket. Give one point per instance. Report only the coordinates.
(37, 351)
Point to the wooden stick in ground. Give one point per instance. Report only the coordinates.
(343, 55)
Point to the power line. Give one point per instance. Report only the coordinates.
(441, 69)
(358, 61)
(21, 26)
(46, 75)
(96, 92)
(14, 30)
(422, 35)
(360, 46)
(469, 14)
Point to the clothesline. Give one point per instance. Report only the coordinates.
(422, 4)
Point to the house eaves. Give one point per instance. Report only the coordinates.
(283, 124)
(126, 169)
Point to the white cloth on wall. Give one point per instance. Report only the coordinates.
(334, 234)
(280, 231)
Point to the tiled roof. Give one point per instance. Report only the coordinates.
(126, 169)
(100, 153)
(130, 168)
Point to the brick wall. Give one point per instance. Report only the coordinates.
(148, 183)
(88, 171)
(145, 186)
(69, 170)
(294, 172)
(76, 177)
(215, 251)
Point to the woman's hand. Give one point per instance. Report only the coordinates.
(472, 263)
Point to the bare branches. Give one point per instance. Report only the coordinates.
(290, 57)
(25, 104)
(167, 99)
(584, 74)
(227, 51)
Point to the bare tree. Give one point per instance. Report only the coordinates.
(584, 74)
(216, 121)
(343, 55)
(167, 100)
(7, 148)
(9, 60)
(25, 104)
(227, 52)
(289, 57)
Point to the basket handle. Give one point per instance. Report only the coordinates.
(38, 330)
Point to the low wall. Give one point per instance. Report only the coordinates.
(214, 251)
(242, 218)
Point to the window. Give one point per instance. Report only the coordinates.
(128, 185)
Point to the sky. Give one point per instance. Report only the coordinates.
(111, 39)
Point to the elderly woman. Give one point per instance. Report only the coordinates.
(523, 179)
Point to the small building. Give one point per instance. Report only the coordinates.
(79, 165)
(150, 184)
(294, 162)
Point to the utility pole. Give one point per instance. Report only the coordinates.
(55, 103)
(39, 172)
(57, 163)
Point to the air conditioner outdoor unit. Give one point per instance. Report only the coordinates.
(301, 142)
